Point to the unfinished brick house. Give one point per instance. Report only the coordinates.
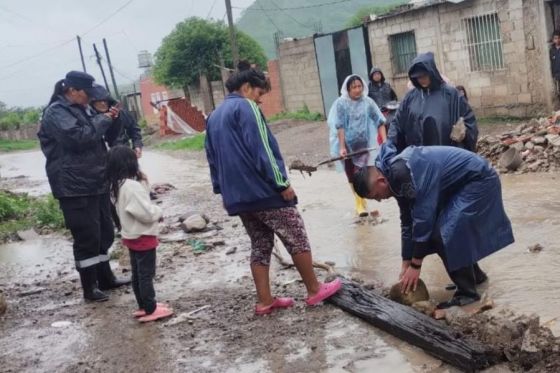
(497, 49)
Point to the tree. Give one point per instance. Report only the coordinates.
(195, 47)
(358, 18)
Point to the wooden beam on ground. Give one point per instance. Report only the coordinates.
(411, 326)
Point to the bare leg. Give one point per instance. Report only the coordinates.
(262, 283)
(304, 264)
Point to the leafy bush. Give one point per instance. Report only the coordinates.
(143, 123)
(191, 143)
(48, 213)
(303, 114)
(13, 206)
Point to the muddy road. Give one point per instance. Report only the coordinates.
(48, 328)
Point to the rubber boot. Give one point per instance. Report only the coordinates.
(479, 275)
(360, 204)
(466, 293)
(107, 279)
(88, 277)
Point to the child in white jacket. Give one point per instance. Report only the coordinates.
(139, 219)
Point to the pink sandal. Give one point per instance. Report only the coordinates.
(326, 291)
(141, 312)
(278, 303)
(160, 313)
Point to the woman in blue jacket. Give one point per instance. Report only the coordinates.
(247, 169)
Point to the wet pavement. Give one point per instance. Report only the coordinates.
(100, 338)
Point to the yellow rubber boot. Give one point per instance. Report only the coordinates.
(361, 204)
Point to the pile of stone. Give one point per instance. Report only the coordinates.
(530, 147)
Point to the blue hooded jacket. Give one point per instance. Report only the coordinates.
(451, 193)
(246, 166)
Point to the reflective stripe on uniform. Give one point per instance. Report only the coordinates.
(103, 258)
(87, 262)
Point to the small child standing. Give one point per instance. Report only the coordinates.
(139, 219)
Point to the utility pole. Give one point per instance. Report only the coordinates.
(81, 52)
(111, 69)
(234, 49)
(98, 57)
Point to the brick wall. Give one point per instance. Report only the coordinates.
(299, 75)
(188, 113)
(272, 102)
(515, 90)
(149, 91)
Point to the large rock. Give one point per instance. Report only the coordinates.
(189, 214)
(553, 139)
(195, 223)
(539, 140)
(3, 304)
(421, 294)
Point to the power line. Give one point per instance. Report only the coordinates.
(291, 17)
(37, 54)
(211, 9)
(108, 17)
(295, 7)
(267, 16)
(45, 51)
(27, 19)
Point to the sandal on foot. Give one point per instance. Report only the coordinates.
(140, 312)
(160, 313)
(327, 290)
(278, 303)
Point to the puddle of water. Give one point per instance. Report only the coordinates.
(517, 278)
(34, 252)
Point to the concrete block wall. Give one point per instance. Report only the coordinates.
(422, 22)
(515, 90)
(299, 75)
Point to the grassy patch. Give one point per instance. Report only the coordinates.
(15, 145)
(500, 120)
(191, 143)
(19, 212)
(302, 114)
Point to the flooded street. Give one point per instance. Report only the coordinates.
(103, 337)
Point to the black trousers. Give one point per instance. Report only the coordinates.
(89, 220)
(143, 265)
(465, 278)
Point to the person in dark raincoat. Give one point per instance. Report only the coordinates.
(428, 113)
(379, 90)
(450, 203)
(125, 130)
(73, 143)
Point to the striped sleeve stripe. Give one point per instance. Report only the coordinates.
(264, 137)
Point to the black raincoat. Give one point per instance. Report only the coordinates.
(74, 146)
(426, 116)
(381, 92)
(125, 129)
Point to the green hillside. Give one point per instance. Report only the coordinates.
(266, 17)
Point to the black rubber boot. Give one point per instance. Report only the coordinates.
(479, 275)
(107, 279)
(466, 293)
(88, 276)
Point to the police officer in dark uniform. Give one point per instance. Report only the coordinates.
(74, 146)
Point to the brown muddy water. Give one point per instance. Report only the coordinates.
(98, 340)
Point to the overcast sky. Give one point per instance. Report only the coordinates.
(38, 46)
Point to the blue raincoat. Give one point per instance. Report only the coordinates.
(455, 195)
(426, 115)
(360, 120)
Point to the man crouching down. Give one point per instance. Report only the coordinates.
(450, 204)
